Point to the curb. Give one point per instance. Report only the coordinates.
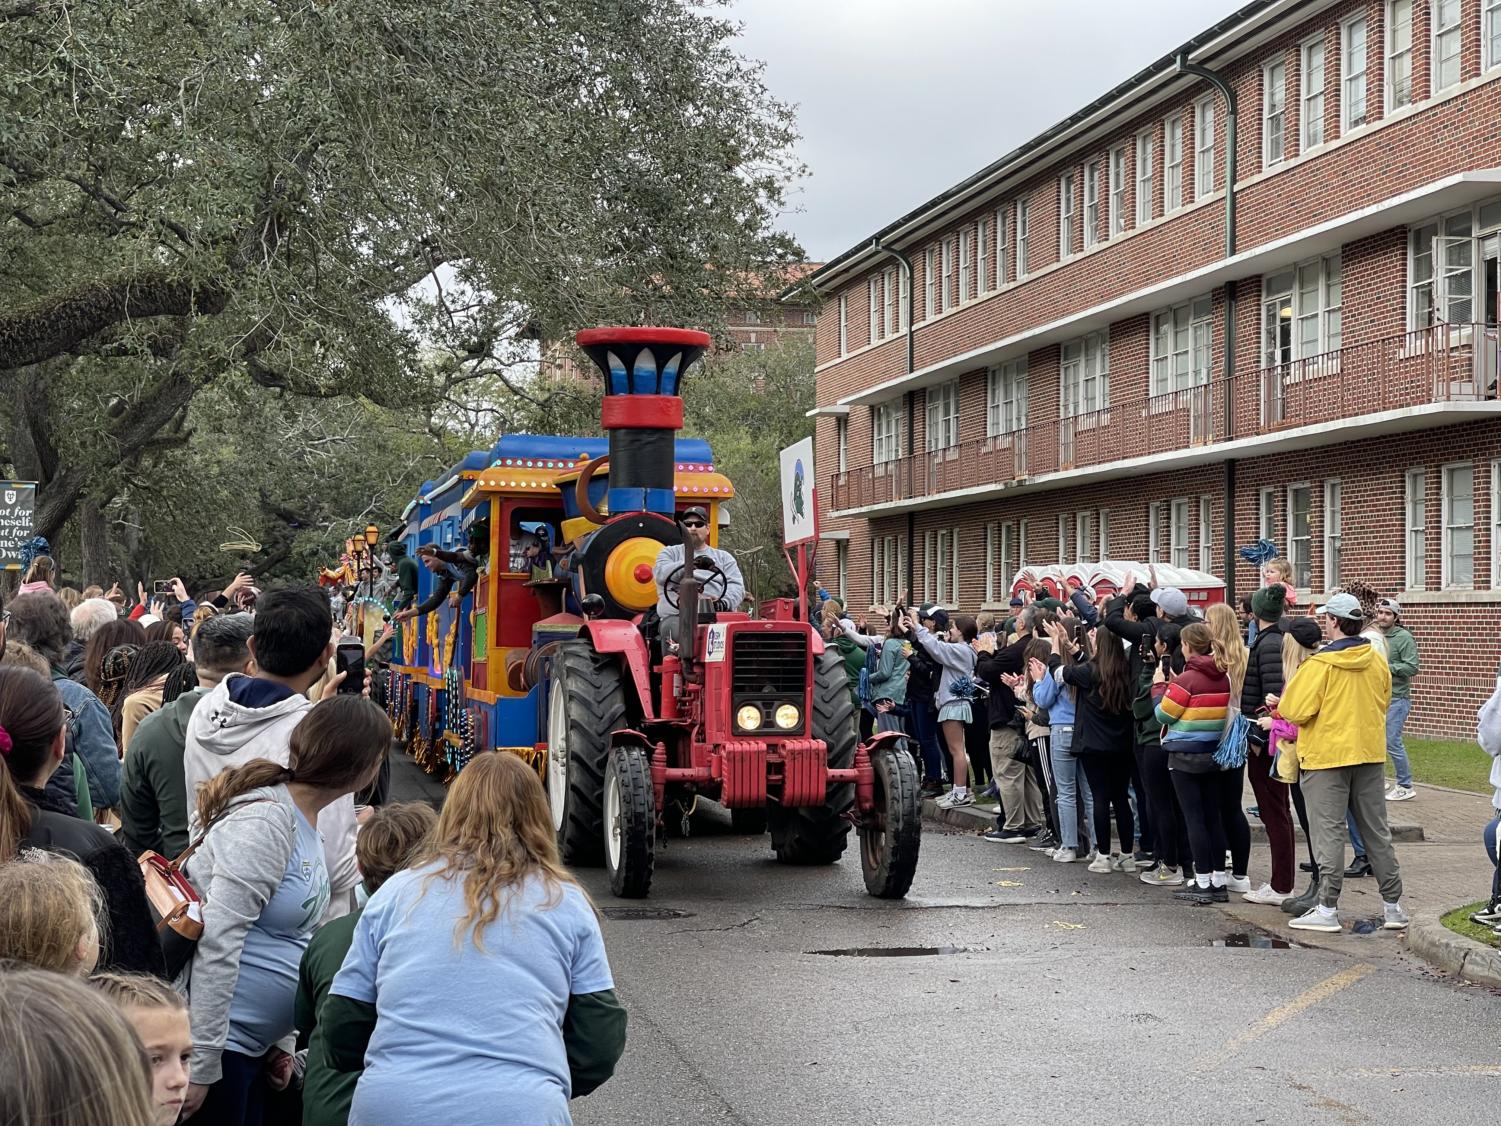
(1404, 833)
(1453, 953)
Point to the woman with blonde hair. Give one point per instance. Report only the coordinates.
(71, 1058)
(160, 1019)
(39, 576)
(478, 977)
(51, 914)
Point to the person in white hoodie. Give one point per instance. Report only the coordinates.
(252, 717)
(1488, 735)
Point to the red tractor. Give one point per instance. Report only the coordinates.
(752, 714)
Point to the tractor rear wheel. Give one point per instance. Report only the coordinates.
(630, 822)
(892, 834)
(817, 834)
(586, 704)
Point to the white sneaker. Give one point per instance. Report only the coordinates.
(953, 799)
(1100, 863)
(1396, 918)
(1265, 894)
(1122, 862)
(1317, 920)
(1065, 855)
(1401, 793)
(1241, 885)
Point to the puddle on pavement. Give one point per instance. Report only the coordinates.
(645, 914)
(1251, 940)
(894, 951)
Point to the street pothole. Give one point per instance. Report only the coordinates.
(644, 914)
(894, 951)
(1254, 940)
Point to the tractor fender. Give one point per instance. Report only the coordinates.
(609, 635)
(818, 644)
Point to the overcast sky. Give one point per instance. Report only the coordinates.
(899, 99)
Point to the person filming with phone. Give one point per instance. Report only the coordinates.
(720, 584)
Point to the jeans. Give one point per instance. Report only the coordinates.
(1109, 775)
(925, 731)
(1491, 850)
(1356, 842)
(1396, 750)
(1068, 776)
(1361, 791)
(239, 1097)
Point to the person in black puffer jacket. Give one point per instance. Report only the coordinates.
(31, 717)
(1263, 679)
(922, 689)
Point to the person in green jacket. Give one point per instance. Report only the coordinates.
(153, 790)
(386, 844)
(406, 574)
(1402, 659)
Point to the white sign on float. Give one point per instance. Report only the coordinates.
(799, 512)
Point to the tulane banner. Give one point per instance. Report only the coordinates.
(17, 519)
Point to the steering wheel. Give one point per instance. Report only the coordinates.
(671, 585)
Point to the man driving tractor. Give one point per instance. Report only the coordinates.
(709, 564)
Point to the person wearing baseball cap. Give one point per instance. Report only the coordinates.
(709, 563)
(1338, 700)
(1402, 659)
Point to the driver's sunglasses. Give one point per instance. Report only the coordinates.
(693, 524)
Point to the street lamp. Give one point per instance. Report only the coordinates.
(372, 537)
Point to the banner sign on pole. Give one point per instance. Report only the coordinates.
(799, 510)
(17, 520)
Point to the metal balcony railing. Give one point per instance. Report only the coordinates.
(1443, 363)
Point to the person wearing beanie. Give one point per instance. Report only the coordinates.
(1402, 659)
(1264, 679)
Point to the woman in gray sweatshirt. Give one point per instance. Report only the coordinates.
(260, 869)
(953, 647)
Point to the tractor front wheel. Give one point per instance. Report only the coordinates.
(892, 832)
(817, 834)
(585, 706)
(630, 822)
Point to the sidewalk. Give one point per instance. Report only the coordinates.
(1443, 866)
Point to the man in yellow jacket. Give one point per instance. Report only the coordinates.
(1338, 699)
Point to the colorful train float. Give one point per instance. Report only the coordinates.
(556, 655)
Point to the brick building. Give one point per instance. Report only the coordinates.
(1093, 348)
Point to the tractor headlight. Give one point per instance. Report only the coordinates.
(748, 718)
(788, 716)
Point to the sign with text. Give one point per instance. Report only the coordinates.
(17, 520)
(799, 512)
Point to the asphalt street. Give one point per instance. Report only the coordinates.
(1060, 996)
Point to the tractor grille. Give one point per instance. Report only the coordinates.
(769, 664)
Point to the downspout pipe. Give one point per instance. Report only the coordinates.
(1226, 91)
(907, 311)
(906, 263)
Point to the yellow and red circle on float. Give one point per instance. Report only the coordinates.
(629, 573)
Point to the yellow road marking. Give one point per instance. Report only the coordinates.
(1284, 1013)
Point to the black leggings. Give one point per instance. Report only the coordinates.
(1216, 822)
(1170, 843)
(1302, 808)
(1109, 776)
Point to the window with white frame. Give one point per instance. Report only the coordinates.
(888, 302)
(1000, 560)
(1146, 144)
(1084, 537)
(1021, 543)
(1063, 529)
(1333, 532)
(886, 432)
(966, 265)
(1154, 532)
(982, 255)
(1203, 147)
(946, 277)
(1084, 371)
(1299, 535)
(1496, 525)
(1273, 113)
(1117, 190)
(1459, 526)
(1415, 512)
(844, 324)
(810, 317)
(1181, 339)
(842, 434)
(941, 567)
(1312, 110)
(1006, 398)
(1002, 273)
(1302, 311)
(874, 286)
(1448, 37)
(842, 568)
(1066, 204)
(1178, 533)
(1092, 203)
(888, 561)
(1490, 33)
(904, 299)
(1266, 515)
(943, 416)
(1104, 526)
(930, 284)
(1206, 535)
(1172, 163)
(1398, 85)
(1023, 235)
(1442, 270)
(1352, 74)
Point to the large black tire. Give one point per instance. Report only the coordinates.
(630, 822)
(750, 821)
(889, 843)
(585, 706)
(817, 834)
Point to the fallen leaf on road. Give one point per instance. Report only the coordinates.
(1011, 869)
(1061, 925)
(1008, 883)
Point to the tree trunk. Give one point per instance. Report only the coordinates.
(94, 532)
